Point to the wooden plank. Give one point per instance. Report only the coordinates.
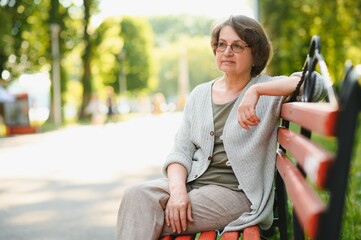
(314, 160)
(209, 235)
(230, 235)
(251, 233)
(167, 238)
(318, 117)
(307, 205)
(185, 237)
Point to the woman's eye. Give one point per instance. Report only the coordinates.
(237, 47)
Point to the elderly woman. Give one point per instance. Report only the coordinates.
(219, 174)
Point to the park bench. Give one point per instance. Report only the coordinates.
(305, 170)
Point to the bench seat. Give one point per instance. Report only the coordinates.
(250, 233)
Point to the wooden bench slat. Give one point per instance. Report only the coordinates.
(306, 203)
(185, 237)
(230, 235)
(317, 117)
(209, 235)
(251, 233)
(167, 238)
(314, 160)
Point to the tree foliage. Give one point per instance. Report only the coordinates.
(24, 36)
(87, 54)
(106, 66)
(169, 29)
(174, 34)
(291, 32)
(125, 50)
(138, 44)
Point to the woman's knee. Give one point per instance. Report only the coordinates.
(133, 192)
(149, 191)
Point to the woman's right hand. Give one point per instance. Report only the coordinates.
(247, 109)
(178, 210)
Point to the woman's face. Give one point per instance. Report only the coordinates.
(228, 61)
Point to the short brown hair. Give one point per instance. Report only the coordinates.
(250, 31)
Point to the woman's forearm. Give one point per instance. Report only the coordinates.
(177, 175)
(247, 108)
(281, 87)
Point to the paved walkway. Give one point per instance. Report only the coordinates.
(67, 184)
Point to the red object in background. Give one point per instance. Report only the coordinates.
(17, 116)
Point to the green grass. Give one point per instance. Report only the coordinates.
(352, 216)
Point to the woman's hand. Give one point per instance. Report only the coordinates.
(247, 109)
(178, 210)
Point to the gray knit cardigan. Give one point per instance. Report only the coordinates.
(251, 153)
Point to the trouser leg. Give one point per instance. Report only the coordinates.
(141, 211)
(213, 207)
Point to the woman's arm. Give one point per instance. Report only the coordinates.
(247, 108)
(178, 210)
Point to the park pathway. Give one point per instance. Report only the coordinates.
(67, 184)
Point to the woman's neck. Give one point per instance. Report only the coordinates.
(235, 83)
(225, 89)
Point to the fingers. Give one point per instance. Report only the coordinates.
(170, 219)
(178, 212)
(247, 124)
(176, 226)
(177, 219)
(183, 221)
(167, 217)
(189, 213)
(247, 109)
(247, 119)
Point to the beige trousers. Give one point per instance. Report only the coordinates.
(141, 211)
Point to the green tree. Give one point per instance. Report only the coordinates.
(138, 44)
(171, 28)
(25, 35)
(292, 30)
(200, 61)
(58, 16)
(173, 33)
(106, 65)
(5, 38)
(86, 79)
(124, 49)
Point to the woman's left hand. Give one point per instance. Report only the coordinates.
(247, 109)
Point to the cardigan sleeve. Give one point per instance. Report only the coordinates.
(320, 89)
(183, 148)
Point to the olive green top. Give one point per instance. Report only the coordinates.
(219, 171)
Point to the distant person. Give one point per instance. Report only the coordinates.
(219, 174)
(110, 104)
(95, 109)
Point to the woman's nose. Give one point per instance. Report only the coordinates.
(228, 51)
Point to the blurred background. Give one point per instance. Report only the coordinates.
(73, 58)
(123, 70)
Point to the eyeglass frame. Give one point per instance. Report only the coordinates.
(216, 46)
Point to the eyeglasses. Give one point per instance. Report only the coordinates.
(235, 47)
